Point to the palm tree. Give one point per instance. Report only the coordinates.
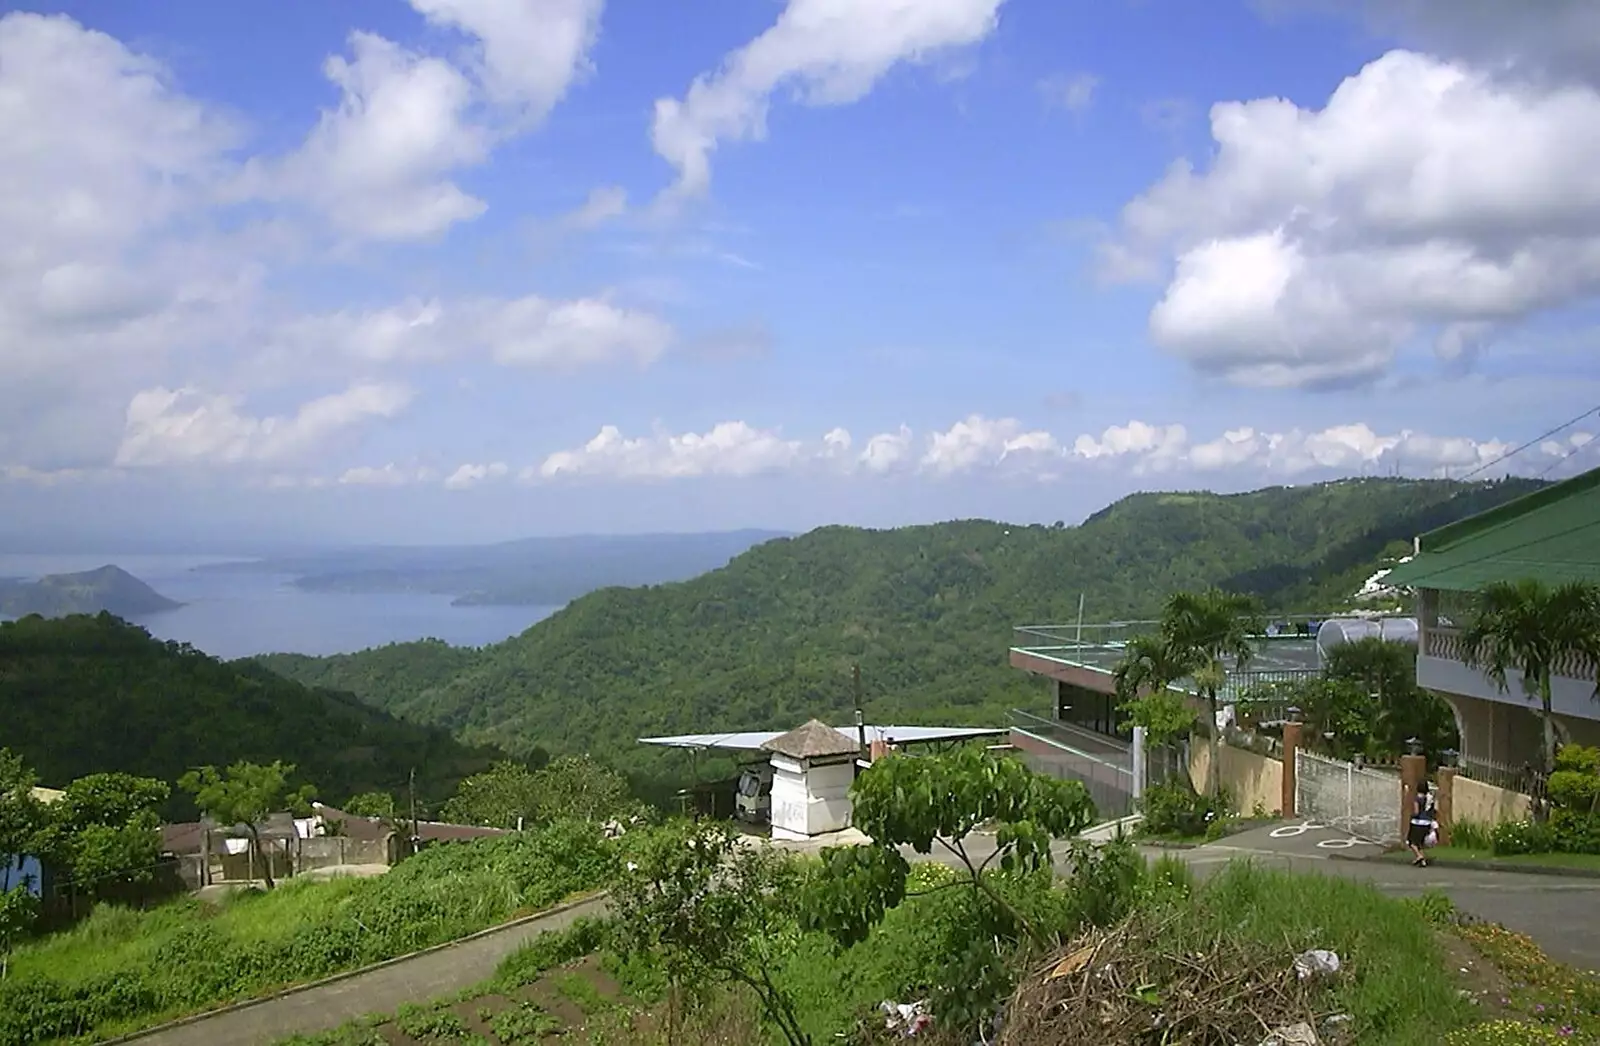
(1527, 626)
(1207, 630)
(1143, 677)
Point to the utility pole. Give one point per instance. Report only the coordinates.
(861, 722)
(411, 787)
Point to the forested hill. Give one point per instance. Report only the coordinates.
(81, 694)
(768, 640)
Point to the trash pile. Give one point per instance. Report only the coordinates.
(1149, 981)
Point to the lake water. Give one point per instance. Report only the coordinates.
(239, 614)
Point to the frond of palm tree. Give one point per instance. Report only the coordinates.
(1207, 629)
(1526, 626)
(1148, 664)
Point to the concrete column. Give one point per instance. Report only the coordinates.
(1140, 762)
(1413, 770)
(1291, 745)
(1446, 800)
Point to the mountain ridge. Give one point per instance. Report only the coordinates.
(770, 639)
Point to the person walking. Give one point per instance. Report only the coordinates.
(1424, 821)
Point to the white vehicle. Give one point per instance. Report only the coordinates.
(753, 797)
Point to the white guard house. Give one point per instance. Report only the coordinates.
(813, 767)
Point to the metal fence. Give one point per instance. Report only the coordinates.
(1104, 765)
(1515, 778)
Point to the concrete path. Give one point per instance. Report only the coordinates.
(383, 990)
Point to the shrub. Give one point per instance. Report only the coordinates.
(1471, 835)
(1174, 808)
(1522, 837)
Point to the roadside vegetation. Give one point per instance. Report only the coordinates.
(122, 969)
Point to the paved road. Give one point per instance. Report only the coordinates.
(383, 990)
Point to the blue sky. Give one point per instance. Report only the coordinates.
(465, 269)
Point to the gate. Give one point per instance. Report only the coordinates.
(1360, 800)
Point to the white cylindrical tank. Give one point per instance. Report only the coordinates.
(1339, 630)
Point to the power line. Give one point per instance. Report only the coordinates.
(1580, 448)
(1537, 439)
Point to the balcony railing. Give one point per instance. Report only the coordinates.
(1446, 643)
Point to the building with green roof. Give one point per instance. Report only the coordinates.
(1552, 535)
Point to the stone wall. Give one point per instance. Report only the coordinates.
(1479, 803)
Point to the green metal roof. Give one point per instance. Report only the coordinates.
(1551, 535)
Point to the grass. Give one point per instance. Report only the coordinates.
(121, 970)
(1575, 862)
(1394, 980)
(1524, 998)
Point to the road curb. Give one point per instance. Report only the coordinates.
(1549, 870)
(499, 928)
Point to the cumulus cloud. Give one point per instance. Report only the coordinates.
(102, 158)
(188, 426)
(831, 52)
(526, 53)
(979, 446)
(1320, 241)
(468, 476)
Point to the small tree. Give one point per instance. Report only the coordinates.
(500, 797)
(105, 829)
(19, 909)
(710, 910)
(1144, 679)
(577, 786)
(245, 795)
(940, 800)
(1205, 631)
(372, 804)
(1527, 626)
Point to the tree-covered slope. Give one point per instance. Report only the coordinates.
(83, 694)
(768, 640)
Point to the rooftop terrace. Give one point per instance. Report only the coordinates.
(1289, 649)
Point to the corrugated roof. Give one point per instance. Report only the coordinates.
(1551, 535)
(753, 740)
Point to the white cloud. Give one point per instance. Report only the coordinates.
(1004, 447)
(1074, 93)
(530, 331)
(1319, 242)
(187, 426)
(390, 475)
(102, 160)
(533, 331)
(731, 448)
(468, 476)
(378, 166)
(602, 205)
(527, 53)
(979, 442)
(831, 51)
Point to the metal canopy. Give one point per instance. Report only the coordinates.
(752, 740)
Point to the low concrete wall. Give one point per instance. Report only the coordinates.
(1485, 804)
(1253, 780)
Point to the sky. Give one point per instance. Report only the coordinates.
(464, 270)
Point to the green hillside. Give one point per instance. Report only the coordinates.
(81, 695)
(927, 611)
